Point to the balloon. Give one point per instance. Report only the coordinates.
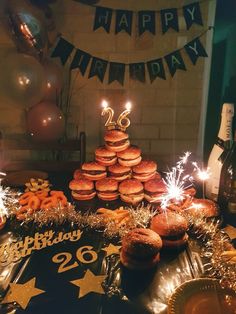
(45, 122)
(54, 80)
(27, 27)
(22, 79)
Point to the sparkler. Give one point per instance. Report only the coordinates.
(177, 182)
(203, 175)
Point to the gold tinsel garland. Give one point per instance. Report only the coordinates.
(215, 240)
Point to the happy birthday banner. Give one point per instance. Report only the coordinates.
(137, 71)
(147, 19)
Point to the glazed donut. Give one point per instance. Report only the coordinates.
(24, 198)
(49, 202)
(41, 194)
(61, 198)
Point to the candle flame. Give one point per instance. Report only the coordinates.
(104, 104)
(128, 105)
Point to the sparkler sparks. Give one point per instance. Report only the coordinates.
(177, 182)
(203, 174)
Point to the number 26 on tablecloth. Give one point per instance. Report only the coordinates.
(64, 258)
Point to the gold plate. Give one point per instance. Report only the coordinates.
(202, 296)
(19, 178)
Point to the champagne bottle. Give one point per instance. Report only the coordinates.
(227, 191)
(219, 151)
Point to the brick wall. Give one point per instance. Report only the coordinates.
(166, 114)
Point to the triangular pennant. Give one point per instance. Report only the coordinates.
(62, 50)
(137, 71)
(146, 22)
(116, 72)
(192, 14)
(169, 19)
(103, 18)
(195, 50)
(80, 61)
(98, 68)
(175, 62)
(156, 69)
(123, 21)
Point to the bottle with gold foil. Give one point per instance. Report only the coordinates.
(220, 151)
(227, 191)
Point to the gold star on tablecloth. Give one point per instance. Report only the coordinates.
(22, 293)
(111, 249)
(89, 283)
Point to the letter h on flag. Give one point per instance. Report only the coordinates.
(103, 18)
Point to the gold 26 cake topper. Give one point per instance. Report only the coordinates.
(122, 122)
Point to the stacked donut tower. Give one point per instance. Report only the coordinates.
(118, 169)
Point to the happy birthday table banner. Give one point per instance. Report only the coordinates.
(155, 68)
(147, 19)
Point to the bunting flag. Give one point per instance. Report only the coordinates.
(80, 61)
(192, 14)
(123, 21)
(147, 20)
(116, 72)
(195, 50)
(155, 68)
(62, 50)
(103, 18)
(175, 61)
(169, 19)
(98, 68)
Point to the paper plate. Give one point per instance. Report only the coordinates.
(202, 296)
(19, 178)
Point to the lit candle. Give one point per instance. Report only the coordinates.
(123, 122)
(110, 112)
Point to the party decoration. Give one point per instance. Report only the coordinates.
(175, 62)
(111, 249)
(23, 81)
(217, 249)
(62, 50)
(80, 61)
(137, 71)
(116, 73)
(169, 19)
(98, 68)
(146, 19)
(146, 22)
(123, 122)
(27, 27)
(195, 49)
(103, 18)
(14, 251)
(22, 293)
(124, 20)
(45, 122)
(192, 14)
(110, 124)
(54, 80)
(89, 283)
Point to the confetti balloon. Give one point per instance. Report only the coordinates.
(45, 122)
